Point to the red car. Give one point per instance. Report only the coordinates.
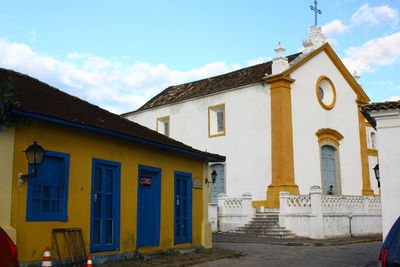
(8, 251)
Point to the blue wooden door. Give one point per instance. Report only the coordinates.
(328, 169)
(183, 207)
(219, 186)
(105, 206)
(148, 213)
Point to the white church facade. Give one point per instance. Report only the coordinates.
(284, 125)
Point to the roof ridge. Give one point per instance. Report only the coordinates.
(44, 101)
(216, 76)
(202, 87)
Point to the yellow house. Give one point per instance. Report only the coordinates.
(128, 188)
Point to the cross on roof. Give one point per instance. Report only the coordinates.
(316, 11)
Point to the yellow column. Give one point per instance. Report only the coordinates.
(366, 184)
(281, 140)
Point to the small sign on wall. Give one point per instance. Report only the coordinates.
(197, 184)
(145, 181)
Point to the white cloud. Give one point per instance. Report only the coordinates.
(365, 16)
(256, 61)
(334, 27)
(109, 83)
(393, 98)
(375, 15)
(376, 52)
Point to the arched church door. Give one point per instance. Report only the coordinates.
(328, 158)
(219, 186)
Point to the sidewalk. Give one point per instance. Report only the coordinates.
(206, 255)
(299, 241)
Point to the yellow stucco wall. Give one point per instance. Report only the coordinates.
(83, 146)
(6, 170)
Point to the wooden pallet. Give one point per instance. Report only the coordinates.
(72, 240)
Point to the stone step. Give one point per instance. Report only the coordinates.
(277, 236)
(274, 227)
(264, 220)
(265, 224)
(260, 230)
(266, 217)
(261, 224)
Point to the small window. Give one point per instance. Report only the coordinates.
(373, 140)
(48, 192)
(163, 125)
(216, 120)
(326, 92)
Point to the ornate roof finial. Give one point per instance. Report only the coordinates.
(280, 63)
(316, 11)
(280, 50)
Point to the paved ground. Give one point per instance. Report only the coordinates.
(239, 250)
(177, 259)
(360, 254)
(298, 241)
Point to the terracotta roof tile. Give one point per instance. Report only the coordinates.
(34, 96)
(238, 78)
(381, 106)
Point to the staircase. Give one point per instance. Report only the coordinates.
(265, 224)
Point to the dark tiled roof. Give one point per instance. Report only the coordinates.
(34, 96)
(211, 85)
(381, 106)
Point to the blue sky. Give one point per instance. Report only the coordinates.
(118, 54)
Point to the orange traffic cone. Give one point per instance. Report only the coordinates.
(89, 261)
(46, 258)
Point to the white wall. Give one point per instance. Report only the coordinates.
(372, 160)
(388, 126)
(248, 130)
(374, 183)
(309, 117)
(246, 144)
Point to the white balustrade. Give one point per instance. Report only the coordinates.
(318, 216)
(234, 212)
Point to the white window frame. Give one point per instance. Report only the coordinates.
(160, 125)
(213, 120)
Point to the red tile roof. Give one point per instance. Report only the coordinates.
(36, 97)
(381, 106)
(238, 78)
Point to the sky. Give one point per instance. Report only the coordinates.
(118, 54)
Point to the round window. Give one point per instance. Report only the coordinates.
(326, 93)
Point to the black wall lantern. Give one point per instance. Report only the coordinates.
(34, 154)
(213, 178)
(377, 175)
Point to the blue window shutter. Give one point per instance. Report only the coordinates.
(47, 198)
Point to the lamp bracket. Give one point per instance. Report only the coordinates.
(23, 177)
